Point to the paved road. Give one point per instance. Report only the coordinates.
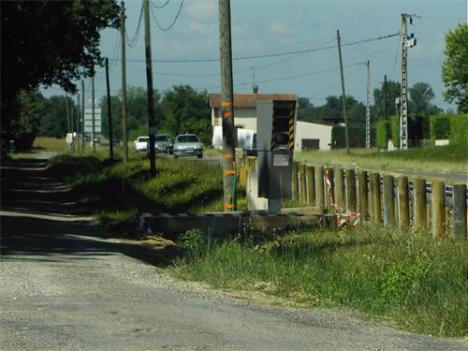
(64, 288)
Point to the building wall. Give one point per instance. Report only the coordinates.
(243, 117)
(307, 130)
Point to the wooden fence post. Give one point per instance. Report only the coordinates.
(459, 212)
(294, 182)
(403, 203)
(319, 189)
(388, 200)
(374, 179)
(330, 197)
(303, 183)
(339, 188)
(350, 190)
(438, 209)
(420, 210)
(310, 186)
(362, 183)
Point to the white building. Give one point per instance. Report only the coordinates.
(308, 135)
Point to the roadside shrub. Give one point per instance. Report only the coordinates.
(395, 130)
(193, 240)
(439, 126)
(459, 129)
(382, 134)
(357, 137)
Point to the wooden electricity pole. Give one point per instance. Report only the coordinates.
(368, 136)
(78, 116)
(149, 89)
(343, 92)
(124, 83)
(384, 93)
(109, 112)
(227, 106)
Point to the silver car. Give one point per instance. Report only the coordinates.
(188, 145)
(163, 143)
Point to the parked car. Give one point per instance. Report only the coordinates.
(141, 143)
(188, 145)
(163, 143)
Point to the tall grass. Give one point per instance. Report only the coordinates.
(450, 158)
(416, 282)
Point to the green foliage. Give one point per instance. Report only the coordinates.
(455, 67)
(395, 130)
(357, 137)
(459, 129)
(415, 281)
(54, 42)
(54, 118)
(382, 128)
(421, 95)
(439, 126)
(393, 91)
(194, 241)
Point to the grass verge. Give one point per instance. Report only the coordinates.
(418, 283)
(450, 158)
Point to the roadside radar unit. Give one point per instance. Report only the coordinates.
(276, 122)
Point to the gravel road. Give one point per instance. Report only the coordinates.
(64, 288)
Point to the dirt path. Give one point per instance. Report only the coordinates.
(64, 288)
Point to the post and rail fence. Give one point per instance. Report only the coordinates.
(409, 203)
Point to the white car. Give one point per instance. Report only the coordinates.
(141, 143)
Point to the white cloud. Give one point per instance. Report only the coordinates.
(202, 10)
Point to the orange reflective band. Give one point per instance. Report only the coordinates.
(229, 206)
(227, 114)
(229, 172)
(229, 155)
(226, 103)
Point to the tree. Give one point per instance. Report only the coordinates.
(421, 95)
(393, 92)
(54, 118)
(306, 111)
(187, 110)
(48, 42)
(455, 67)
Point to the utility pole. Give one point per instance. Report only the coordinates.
(406, 41)
(67, 110)
(109, 112)
(72, 124)
(343, 91)
(93, 132)
(227, 107)
(83, 115)
(124, 83)
(385, 97)
(368, 142)
(78, 114)
(149, 91)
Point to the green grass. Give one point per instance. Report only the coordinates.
(450, 158)
(418, 283)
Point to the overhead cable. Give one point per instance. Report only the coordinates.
(132, 42)
(169, 27)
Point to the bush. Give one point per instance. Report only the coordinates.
(357, 137)
(382, 128)
(439, 126)
(395, 130)
(459, 129)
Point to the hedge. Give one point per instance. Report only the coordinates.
(357, 137)
(382, 128)
(439, 126)
(395, 130)
(459, 129)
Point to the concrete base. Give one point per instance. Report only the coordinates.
(225, 225)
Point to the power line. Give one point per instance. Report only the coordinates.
(278, 54)
(132, 42)
(160, 6)
(165, 29)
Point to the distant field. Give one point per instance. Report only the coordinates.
(447, 159)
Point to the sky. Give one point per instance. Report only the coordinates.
(282, 26)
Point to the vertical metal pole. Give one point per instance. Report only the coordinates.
(343, 92)
(385, 97)
(404, 85)
(149, 91)
(72, 123)
(124, 83)
(93, 131)
(368, 141)
(78, 116)
(109, 112)
(83, 115)
(227, 106)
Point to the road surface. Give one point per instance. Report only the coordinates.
(62, 287)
